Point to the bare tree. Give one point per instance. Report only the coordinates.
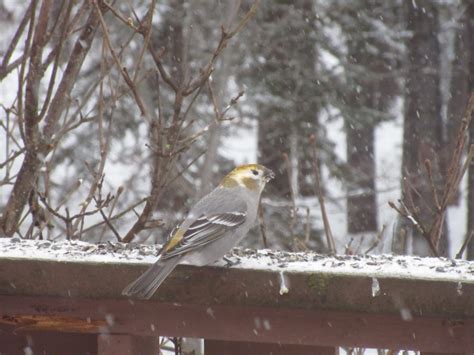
(30, 110)
(75, 75)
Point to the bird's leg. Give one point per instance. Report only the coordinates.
(230, 262)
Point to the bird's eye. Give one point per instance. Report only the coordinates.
(255, 172)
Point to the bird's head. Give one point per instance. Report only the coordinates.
(251, 176)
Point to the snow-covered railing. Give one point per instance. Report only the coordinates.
(271, 301)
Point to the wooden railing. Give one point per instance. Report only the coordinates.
(65, 298)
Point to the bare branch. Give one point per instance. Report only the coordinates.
(6, 67)
(116, 216)
(405, 212)
(455, 173)
(107, 221)
(225, 37)
(38, 144)
(464, 245)
(123, 71)
(377, 240)
(77, 56)
(56, 53)
(15, 154)
(327, 227)
(293, 209)
(27, 175)
(263, 227)
(434, 191)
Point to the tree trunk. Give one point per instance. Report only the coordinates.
(361, 199)
(422, 136)
(470, 179)
(309, 121)
(272, 144)
(219, 85)
(39, 143)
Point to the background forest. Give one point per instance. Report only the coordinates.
(116, 117)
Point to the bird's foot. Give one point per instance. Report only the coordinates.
(230, 262)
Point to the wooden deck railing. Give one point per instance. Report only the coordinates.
(66, 298)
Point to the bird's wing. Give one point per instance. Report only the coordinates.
(204, 230)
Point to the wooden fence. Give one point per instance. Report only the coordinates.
(62, 298)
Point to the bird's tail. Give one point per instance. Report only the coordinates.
(145, 286)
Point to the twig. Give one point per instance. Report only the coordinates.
(467, 163)
(347, 247)
(406, 213)
(77, 215)
(464, 245)
(233, 102)
(377, 241)
(128, 22)
(409, 188)
(112, 208)
(225, 37)
(434, 191)
(327, 228)
(146, 31)
(120, 67)
(97, 177)
(293, 213)
(161, 69)
(455, 173)
(307, 228)
(77, 57)
(263, 228)
(56, 54)
(15, 155)
(107, 221)
(118, 215)
(179, 174)
(459, 149)
(5, 68)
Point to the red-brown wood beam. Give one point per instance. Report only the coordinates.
(47, 343)
(246, 324)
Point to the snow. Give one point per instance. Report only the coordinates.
(241, 145)
(283, 284)
(375, 287)
(375, 266)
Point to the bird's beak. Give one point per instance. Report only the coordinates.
(268, 175)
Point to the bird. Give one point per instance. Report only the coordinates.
(216, 223)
